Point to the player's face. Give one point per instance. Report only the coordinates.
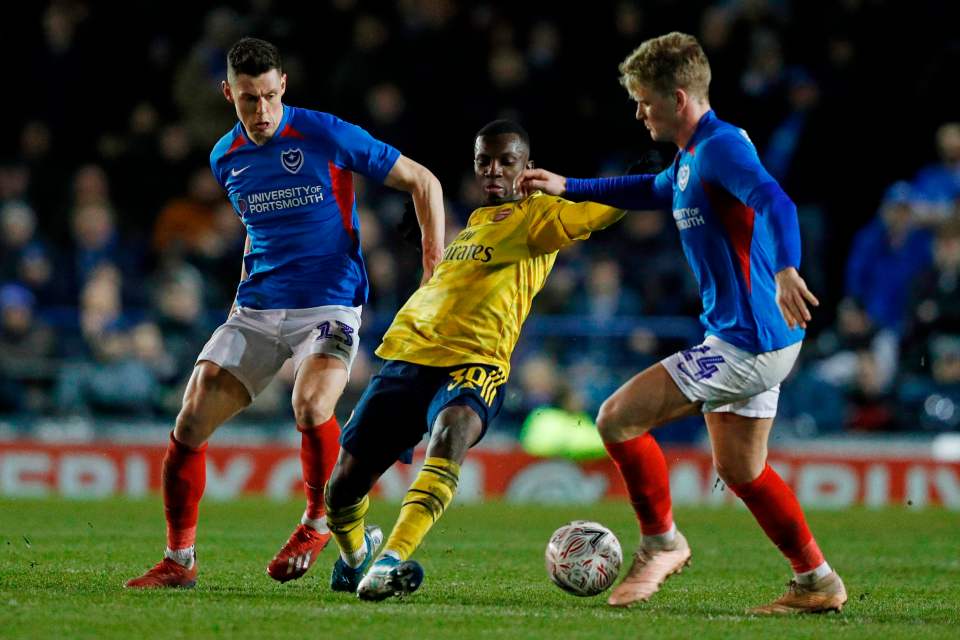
(257, 100)
(498, 162)
(657, 111)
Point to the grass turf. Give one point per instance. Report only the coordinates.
(62, 564)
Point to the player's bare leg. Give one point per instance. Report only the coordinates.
(456, 429)
(740, 456)
(649, 399)
(318, 385)
(212, 397)
(346, 502)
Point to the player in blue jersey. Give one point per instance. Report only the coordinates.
(289, 174)
(740, 234)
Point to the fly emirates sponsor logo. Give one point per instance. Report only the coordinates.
(687, 217)
(281, 199)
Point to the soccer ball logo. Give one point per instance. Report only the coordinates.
(583, 558)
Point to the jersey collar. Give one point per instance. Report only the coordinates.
(703, 128)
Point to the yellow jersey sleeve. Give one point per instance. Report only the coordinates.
(556, 223)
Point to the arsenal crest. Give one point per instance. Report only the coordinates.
(292, 160)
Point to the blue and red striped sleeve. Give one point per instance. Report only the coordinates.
(731, 162)
(354, 149)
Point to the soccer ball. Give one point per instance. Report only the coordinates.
(583, 558)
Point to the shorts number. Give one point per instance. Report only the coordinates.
(702, 367)
(325, 332)
(486, 382)
(471, 378)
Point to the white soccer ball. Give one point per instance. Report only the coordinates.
(583, 558)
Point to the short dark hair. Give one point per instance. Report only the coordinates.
(253, 56)
(503, 126)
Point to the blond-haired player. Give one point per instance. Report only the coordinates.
(740, 234)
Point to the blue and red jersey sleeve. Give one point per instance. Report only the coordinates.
(644, 191)
(731, 162)
(351, 147)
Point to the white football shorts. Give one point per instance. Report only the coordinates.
(730, 380)
(254, 343)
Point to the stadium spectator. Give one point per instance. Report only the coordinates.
(199, 76)
(853, 342)
(931, 400)
(604, 295)
(179, 313)
(120, 378)
(938, 185)
(886, 257)
(98, 243)
(27, 347)
(23, 255)
(187, 224)
(935, 299)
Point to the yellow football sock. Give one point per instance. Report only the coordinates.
(346, 525)
(423, 505)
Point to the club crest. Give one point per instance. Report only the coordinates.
(292, 160)
(683, 176)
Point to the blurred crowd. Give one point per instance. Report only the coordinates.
(119, 253)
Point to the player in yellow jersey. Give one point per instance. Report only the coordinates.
(447, 358)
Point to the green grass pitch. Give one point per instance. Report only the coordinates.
(62, 564)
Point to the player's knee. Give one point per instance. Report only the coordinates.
(456, 429)
(314, 408)
(735, 470)
(189, 428)
(610, 424)
(310, 414)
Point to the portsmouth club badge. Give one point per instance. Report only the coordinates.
(683, 176)
(291, 159)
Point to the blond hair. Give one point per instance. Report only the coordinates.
(672, 61)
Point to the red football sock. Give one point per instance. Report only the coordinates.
(644, 471)
(775, 507)
(319, 447)
(184, 478)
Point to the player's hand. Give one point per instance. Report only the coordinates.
(541, 180)
(431, 258)
(793, 297)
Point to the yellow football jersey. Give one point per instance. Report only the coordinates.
(473, 307)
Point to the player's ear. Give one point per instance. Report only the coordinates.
(283, 84)
(681, 98)
(225, 88)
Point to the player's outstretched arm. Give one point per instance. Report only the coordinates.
(793, 297)
(424, 188)
(542, 180)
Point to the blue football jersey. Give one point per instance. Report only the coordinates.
(296, 199)
(736, 225)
